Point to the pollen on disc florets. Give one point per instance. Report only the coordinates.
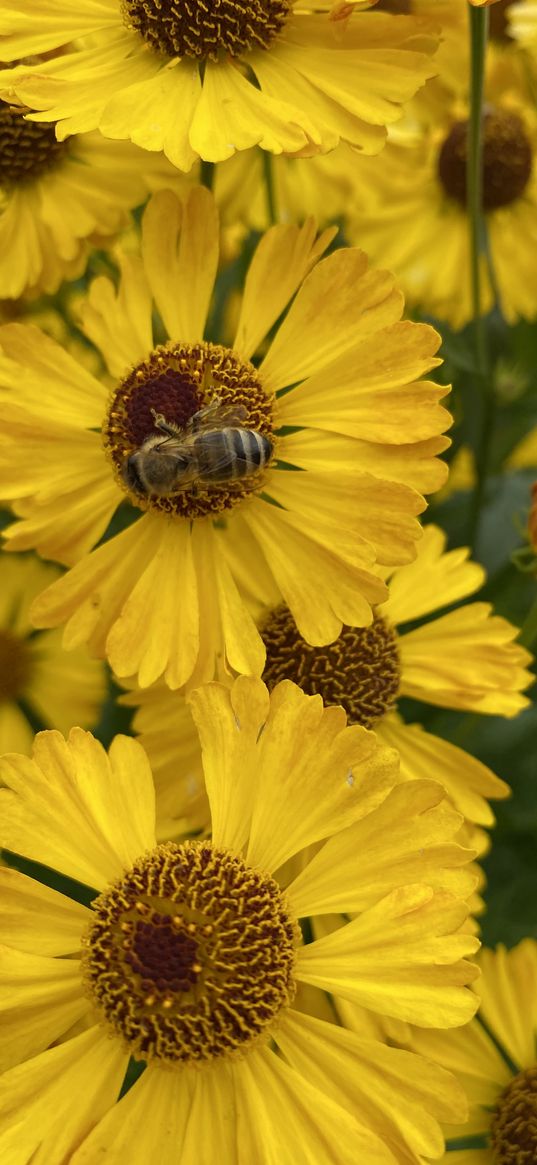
(206, 29)
(514, 1124)
(27, 148)
(14, 665)
(360, 670)
(507, 159)
(191, 955)
(176, 381)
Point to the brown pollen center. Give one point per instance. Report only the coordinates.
(507, 159)
(201, 473)
(14, 665)
(206, 29)
(27, 148)
(191, 955)
(360, 670)
(514, 1124)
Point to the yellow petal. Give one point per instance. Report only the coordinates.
(340, 302)
(180, 252)
(35, 1120)
(397, 1094)
(322, 572)
(435, 579)
(403, 957)
(34, 917)
(468, 782)
(466, 659)
(409, 838)
(146, 111)
(313, 774)
(77, 810)
(273, 1099)
(119, 323)
(229, 724)
(40, 999)
(232, 114)
(149, 1123)
(281, 261)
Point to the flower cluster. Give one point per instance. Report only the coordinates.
(250, 660)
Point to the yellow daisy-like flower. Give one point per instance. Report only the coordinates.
(410, 213)
(495, 1059)
(59, 198)
(39, 682)
(466, 659)
(286, 75)
(202, 443)
(191, 954)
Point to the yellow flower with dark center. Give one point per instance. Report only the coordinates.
(494, 1057)
(39, 682)
(59, 198)
(466, 659)
(199, 80)
(190, 956)
(411, 214)
(283, 480)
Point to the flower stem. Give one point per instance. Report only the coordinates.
(269, 187)
(478, 245)
(207, 174)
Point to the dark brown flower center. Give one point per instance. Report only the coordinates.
(206, 29)
(192, 954)
(360, 670)
(189, 430)
(507, 159)
(14, 665)
(514, 1124)
(27, 148)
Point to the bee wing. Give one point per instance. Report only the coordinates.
(217, 415)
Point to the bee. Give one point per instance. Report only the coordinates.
(212, 448)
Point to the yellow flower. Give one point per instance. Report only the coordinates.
(465, 659)
(59, 198)
(411, 212)
(494, 1058)
(286, 75)
(190, 956)
(337, 397)
(39, 682)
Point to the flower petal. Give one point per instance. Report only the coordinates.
(180, 252)
(35, 1120)
(36, 917)
(76, 809)
(403, 957)
(40, 999)
(325, 774)
(409, 838)
(281, 261)
(397, 1094)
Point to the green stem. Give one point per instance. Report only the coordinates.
(478, 247)
(528, 631)
(269, 187)
(207, 174)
